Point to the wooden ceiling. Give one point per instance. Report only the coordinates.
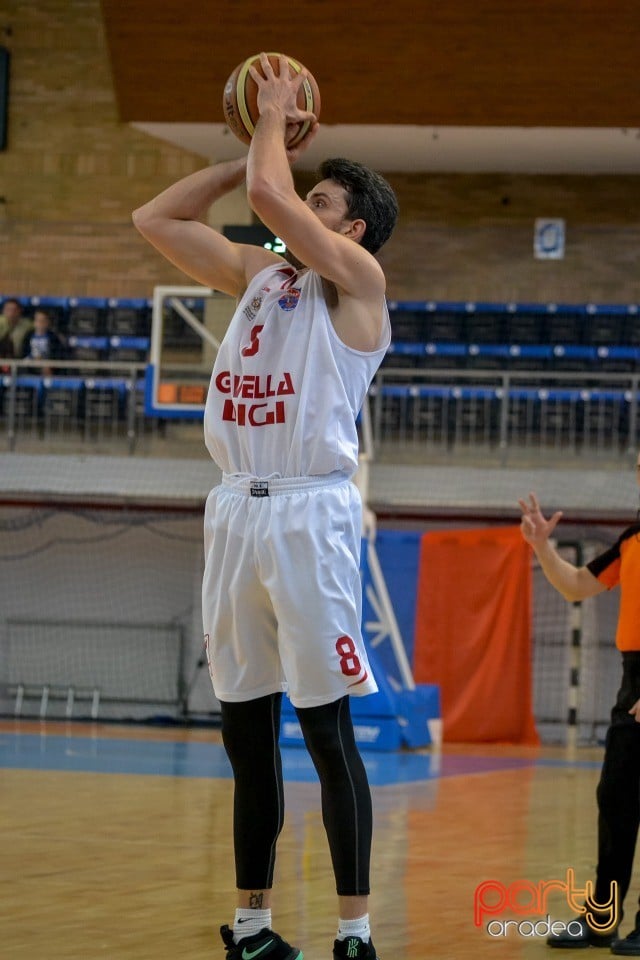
(523, 63)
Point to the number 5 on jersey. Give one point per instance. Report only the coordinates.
(252, 347)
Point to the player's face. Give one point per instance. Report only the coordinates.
(328, 200)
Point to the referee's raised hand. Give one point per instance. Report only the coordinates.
(535, 528)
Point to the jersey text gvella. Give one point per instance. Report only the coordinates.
(242, 387)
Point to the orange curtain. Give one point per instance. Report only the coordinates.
(473, 633)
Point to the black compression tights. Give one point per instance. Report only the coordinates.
(250, 735)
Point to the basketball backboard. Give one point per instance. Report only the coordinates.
(187, 326)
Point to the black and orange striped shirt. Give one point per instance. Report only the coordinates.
(620, 564)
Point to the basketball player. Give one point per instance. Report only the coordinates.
(618, 791)
(281, 591)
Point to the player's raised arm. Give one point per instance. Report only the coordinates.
(574, 583)
(171, 222)
(318, 231)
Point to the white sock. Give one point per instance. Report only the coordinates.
(354, 928)
(248, 921)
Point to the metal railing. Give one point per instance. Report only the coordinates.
(94, 400)
(505, 412)
(417, 412)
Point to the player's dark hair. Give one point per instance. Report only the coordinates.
(370, 199)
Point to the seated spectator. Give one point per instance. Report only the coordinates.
(43, 343)
(6, 352)
(14, 324)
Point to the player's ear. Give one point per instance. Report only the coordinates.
(356, 230)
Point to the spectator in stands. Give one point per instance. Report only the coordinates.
(43, 343)
(6, 351)
(13, 323)
(618, 793)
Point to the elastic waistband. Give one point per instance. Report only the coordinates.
(274, 486)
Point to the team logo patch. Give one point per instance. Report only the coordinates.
(289, 299)
(251, 310)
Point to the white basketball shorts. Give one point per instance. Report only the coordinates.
(281, 595)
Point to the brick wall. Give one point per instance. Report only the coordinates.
(72, 174)
(471, 238)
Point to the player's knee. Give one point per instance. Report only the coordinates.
(328, 734)
(250, 729)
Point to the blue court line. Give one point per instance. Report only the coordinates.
(179, 759)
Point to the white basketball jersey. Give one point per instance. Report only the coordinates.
(285, 390)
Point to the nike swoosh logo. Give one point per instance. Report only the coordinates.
(250, 954)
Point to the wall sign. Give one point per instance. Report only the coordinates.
(548, 239)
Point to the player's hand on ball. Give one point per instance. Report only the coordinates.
(534, 527)
(281, 90)
(284, 76)
(298, 148)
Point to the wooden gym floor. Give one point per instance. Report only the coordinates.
(115, 842)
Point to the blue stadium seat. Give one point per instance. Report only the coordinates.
(103, 400)
(408, 326)
(632, 326)
(399, 360)
(618, 359)
(62, 399)
(28, 397)
(447, 326)
(474, 415)
(485, 323)
(525, 323)
(488, 356)
(530, 356)
(605, 325)
(573, 357)
(88, 348)
(444, 356)
(86, 315)
(128, 317)
(565, 323)
(428, 356)
(424, 321)
(605, 417)
(130, 349)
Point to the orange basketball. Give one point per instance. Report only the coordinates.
(240, 97)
